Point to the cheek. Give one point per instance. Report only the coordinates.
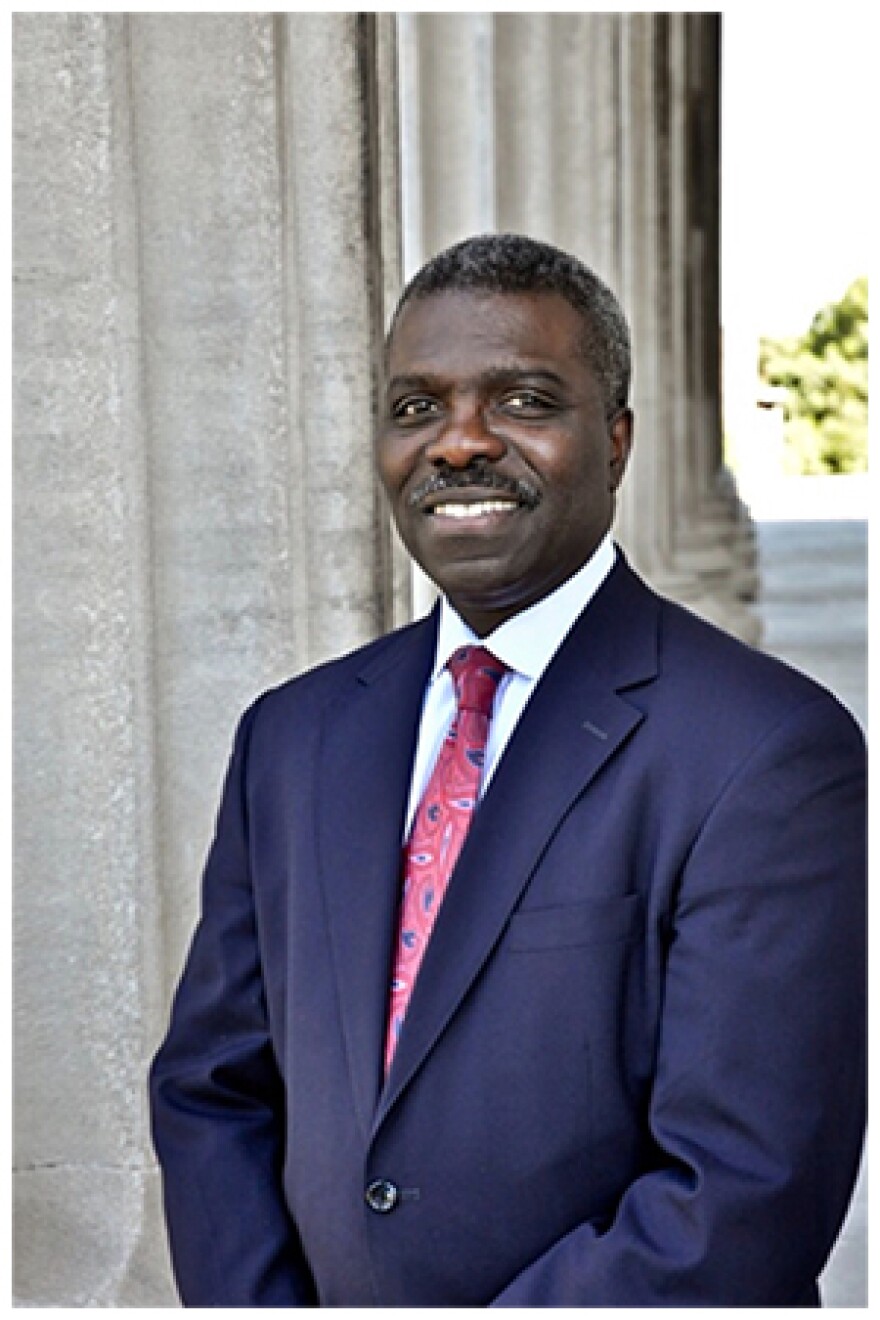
(392, 465)
(576, 477)
(578, 501)
(570, 454)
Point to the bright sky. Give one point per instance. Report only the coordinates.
(798, 154)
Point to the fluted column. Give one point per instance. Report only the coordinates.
(207, 247)
(601, 240)
(336, 259)
(695, 550)
(448, 147)
(722, 526)
(585, 139)
(676, 575)
(636, 505)
(525, 179)
(645, 523)
(744, 579)
(215, 406)
(572, 129)
(395, 573)
(88, 949)
(682, 347)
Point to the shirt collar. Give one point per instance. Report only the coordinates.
(528, 641)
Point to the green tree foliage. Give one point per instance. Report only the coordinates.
(825, 376)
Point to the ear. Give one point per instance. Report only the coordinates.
(620, 436)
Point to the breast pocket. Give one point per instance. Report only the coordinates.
(571, 925)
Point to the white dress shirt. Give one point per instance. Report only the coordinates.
(526, 643)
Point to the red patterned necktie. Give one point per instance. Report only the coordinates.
(441, 822)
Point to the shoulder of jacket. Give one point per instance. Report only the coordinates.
(720, 670)
(324, 681)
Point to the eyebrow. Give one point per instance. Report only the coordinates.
(493, 376)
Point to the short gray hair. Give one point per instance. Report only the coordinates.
(514, 263)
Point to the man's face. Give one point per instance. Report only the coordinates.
(495, 450)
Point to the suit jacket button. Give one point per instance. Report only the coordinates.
(381, 1196)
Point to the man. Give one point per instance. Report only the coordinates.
(604, 1045)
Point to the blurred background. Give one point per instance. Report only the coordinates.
(213, 216)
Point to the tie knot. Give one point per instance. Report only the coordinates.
(476, 674)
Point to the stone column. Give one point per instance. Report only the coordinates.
(396, 566)
(573, 130)
(673, 479)
(87, 947)
(525, 178)
(636, 508)
(744, 580)
(206, 248)
(694, 551)
(340, 269)
(447, 131)
(600, 239)
(225, 609)
(723, 526)
(585, 139)
(646, 517)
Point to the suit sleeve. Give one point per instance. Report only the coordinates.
(217, 1097)
(757, 1108)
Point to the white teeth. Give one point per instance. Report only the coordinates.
(474, 510)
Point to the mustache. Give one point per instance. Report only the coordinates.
(524, 492)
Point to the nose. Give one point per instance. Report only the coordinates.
(463, 437)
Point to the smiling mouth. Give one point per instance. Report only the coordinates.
(473, 494)
(476, 509)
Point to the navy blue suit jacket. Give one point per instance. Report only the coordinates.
(632, 1072)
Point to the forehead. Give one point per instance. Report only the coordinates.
(454, 330)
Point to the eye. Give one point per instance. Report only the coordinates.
(526, 402)
(413, 408)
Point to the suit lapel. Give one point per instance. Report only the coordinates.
(365, 764)
(574, 722)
